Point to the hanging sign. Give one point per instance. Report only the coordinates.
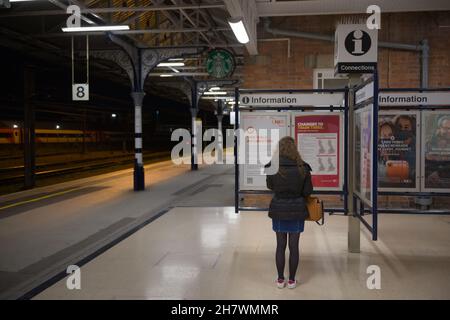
(220, 63)
(430, 98)
(356, 49)
(295, 99)
(80, 92)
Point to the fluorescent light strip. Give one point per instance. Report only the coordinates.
(166, 75)
(96, 28)
(171, 64)
(237, 25)
(214, 93)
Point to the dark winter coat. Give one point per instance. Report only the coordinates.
(290, 188)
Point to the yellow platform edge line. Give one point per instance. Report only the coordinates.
(40, 198)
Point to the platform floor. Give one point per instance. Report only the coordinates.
(198, 248)
(212, 253)
(44, 230)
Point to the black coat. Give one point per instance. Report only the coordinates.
(290, 188)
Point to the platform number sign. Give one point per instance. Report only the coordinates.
(80, 92)
(356, 49)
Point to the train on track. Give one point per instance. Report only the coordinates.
(16, 136)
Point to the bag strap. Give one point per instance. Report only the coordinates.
(321, 204)
(323, 215)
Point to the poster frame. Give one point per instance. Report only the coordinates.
(367, 201)
(418, 148)
(422, 146)
(242, 171)
(294, 114)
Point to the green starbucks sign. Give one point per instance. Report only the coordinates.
(220, 63)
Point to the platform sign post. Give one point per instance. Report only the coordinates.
(355, 54)
(80, 91)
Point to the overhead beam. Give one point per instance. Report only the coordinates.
(247, 10)
(114, 9)
(335, 7)
(138, 31)
(183, 12)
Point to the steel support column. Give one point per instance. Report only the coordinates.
(29, 129)
(354, 224)
(139, 176)
(138, 63)
(194, 90)
(194, 134)
(219, 115)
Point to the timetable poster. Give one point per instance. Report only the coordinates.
(318, 139)
(257, 126)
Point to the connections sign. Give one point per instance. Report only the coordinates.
(300, 99)
(220, 63)
(356, 49)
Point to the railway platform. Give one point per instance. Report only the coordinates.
(180, 239)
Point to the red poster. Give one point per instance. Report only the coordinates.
(318, 141)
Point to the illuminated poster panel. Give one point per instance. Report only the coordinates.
(399, 151)
(363, 153)
(319, 141)
(436, 151)
(252, 176)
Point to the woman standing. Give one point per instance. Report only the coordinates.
(291, 184)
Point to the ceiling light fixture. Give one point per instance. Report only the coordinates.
(218, 93)
(171, 64)
(96, 28)
(237, 25)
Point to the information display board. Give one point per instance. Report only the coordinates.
(252, 176)
(318, 136)
(399, 151)
(436, 151)
(363, 154)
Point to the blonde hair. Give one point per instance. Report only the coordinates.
(287, 149)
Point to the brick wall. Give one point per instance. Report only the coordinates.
(273, 69)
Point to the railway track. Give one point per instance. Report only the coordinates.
(14, 175)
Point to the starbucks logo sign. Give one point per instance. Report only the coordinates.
(220, 63)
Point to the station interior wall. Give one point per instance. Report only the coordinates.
(272, 68)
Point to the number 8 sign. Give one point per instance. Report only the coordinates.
(80, 92)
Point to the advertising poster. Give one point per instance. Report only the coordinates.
(436, 151)
(318, 137)
(363, 153)
(252, 176)
(398, 151)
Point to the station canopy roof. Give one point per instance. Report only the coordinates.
(35, 26)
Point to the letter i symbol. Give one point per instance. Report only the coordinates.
(357, 35)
